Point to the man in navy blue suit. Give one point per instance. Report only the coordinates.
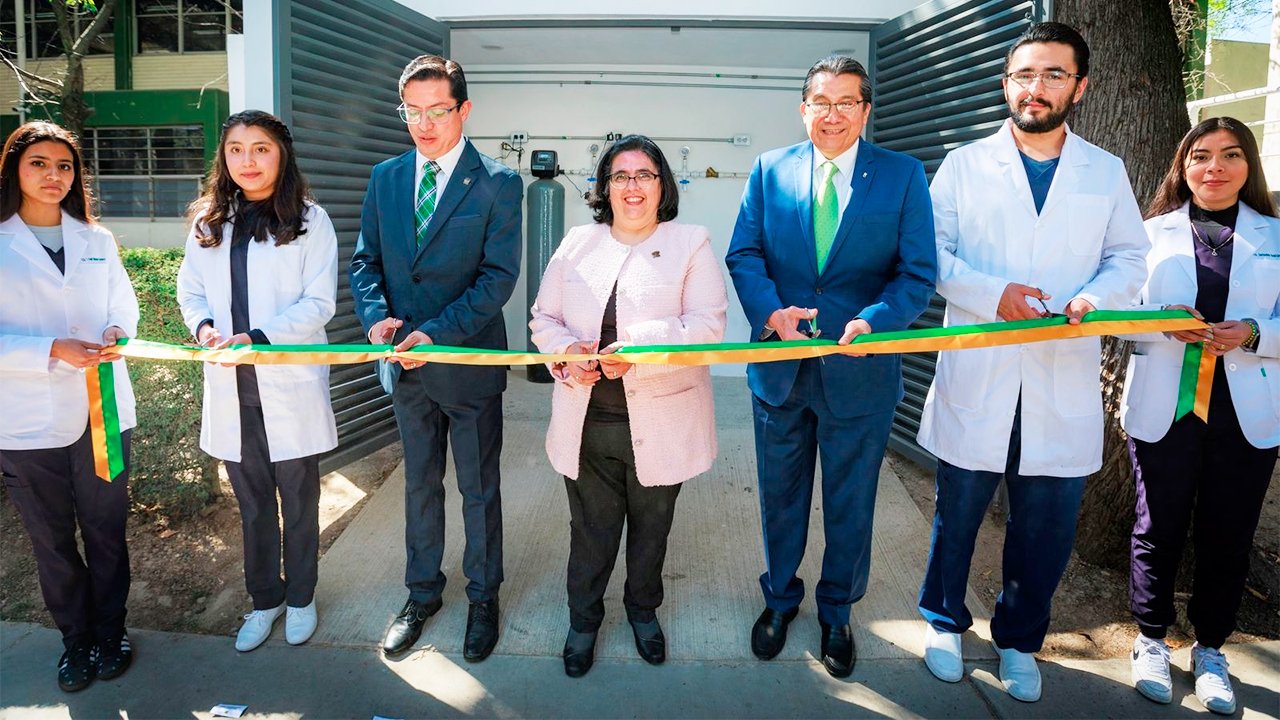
(838, 232)
(437, 258)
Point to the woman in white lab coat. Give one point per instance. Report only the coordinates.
(64, 297)
(261, 268)
(1215, 250)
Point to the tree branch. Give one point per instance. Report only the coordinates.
(64, 26)
(100, 20)
(24, 76)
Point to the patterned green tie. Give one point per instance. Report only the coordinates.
(426, 203)
(826, 214)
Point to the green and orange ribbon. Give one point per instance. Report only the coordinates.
(1195, 382)
(104, 422)
(959, 337)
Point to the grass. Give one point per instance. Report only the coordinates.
(170, 476)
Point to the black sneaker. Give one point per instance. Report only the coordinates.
(114, 657)
(77, 667)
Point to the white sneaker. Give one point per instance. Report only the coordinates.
(300, 623)
(1213, 686)
(1151, 669)
(1019, 674)
(257, 628)
(942, 654)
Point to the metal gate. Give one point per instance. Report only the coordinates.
(337, 67)
(937, 71)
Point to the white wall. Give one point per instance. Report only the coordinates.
(140, 232)
(660, 110)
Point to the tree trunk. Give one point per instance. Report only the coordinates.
(1134, 107)
(71, 99)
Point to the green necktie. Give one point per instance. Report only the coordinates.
(426, 203)
(826, 214)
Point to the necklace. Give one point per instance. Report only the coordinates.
(1195, 231)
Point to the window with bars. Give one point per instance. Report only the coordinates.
(145, 172)
(183, 26)
(42, 29)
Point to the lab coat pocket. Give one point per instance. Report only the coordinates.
(32, 394)
(1087, 223)
(964, 377)
(1077, 390)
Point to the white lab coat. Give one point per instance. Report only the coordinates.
(292, 294)
(1088, 242)
(46, 400)
(1151, 387)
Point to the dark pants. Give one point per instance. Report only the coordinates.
(605, 497)
(474, 427)
(55, 491)
(788, 439)
(256, 480)
(1209, 473)
(1039, 532)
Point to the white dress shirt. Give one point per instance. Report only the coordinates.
(447, 162)
(843, 178)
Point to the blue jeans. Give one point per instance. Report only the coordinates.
(1039, 531)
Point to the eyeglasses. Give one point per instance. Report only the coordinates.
(821, 109)
(413, 116)
(1052, 79)
(619, 180)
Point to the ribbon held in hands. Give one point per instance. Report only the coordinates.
(960, 337)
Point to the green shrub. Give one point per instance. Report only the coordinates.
(170, 476)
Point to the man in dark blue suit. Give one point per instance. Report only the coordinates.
(437, 258)
(839, 230)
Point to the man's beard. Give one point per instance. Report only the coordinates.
(1047, 123)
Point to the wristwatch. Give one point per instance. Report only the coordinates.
(1250, 343)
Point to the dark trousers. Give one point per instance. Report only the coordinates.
(55, 491)
(1212, 474)
(1039, 532)
(256, 481)
(605, 497)
(788, 440)
(474, 427)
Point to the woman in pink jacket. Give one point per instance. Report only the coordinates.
(625, 436)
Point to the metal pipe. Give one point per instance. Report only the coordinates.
(728, 140)
(623, 83)
(641, 73)
(21, 17)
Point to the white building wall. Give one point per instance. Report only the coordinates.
(141, 232)
(171, 71)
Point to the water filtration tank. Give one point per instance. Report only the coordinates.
(543, 232)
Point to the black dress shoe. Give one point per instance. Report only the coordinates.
(650, 642)
(407, 626)
(579, 653)
(114, 657)
(838, 654)
(769, 633)
(482, 630)
(77, 667)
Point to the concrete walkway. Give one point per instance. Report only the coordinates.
(712, 597)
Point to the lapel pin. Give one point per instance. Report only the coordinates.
(657, 254)
(466, 181)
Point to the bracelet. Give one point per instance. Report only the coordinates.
(1251, 343)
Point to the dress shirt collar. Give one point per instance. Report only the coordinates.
(844, 161)
(447, 162)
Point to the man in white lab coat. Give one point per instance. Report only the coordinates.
(1030, 221)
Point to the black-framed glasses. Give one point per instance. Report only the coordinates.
(821, 109)
(619, 180)
(413, 115)
(1052, 79)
